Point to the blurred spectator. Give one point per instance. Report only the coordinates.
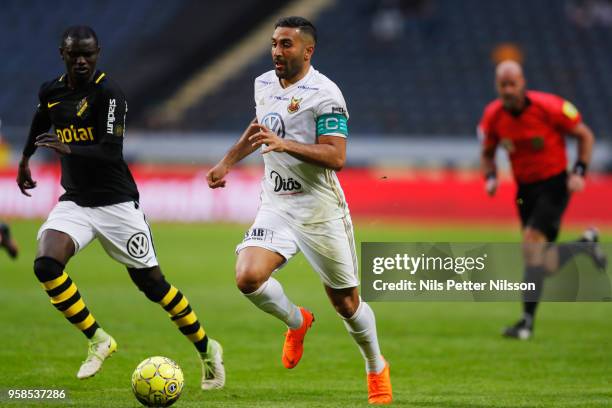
(391, 16)
(388, 22)
(507, 51)
(590, 13)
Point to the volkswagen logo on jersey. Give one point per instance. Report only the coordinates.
(274, 122)
(138, 245)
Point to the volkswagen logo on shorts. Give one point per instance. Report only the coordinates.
(274, 122)
(138, 245)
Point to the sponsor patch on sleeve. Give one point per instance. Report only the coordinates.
(332, 123)
(569, 110)
(339, 109)
(258, 234)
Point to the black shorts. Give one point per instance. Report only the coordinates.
(541, 204)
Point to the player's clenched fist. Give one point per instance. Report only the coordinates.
(491, 186)
(215, 176)
(575, 183)
(24, 178)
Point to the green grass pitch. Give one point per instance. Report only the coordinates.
(441, 354)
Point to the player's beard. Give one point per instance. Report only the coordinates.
(514, 103)
(288, 71)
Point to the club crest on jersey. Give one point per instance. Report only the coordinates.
(537, 142)
(294, 105)
(82, 107)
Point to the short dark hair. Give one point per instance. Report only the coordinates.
(79, 32)
(301, 23)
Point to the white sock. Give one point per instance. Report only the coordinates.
(362, 327)
(271, 298)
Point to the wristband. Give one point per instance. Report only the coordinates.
(580, 168)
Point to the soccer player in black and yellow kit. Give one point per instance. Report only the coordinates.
(87, 111)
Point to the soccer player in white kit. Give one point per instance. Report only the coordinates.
(301, 127)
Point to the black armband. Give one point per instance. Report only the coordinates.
(580, 168)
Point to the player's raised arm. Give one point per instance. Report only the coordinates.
(586, 140)
(566, 117)
(489, 169)
(41, 123)
(487, 160)
(241, 149)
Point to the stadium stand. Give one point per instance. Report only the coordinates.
(437, 75)
(31, 31)
(148, 49)
(406, 67)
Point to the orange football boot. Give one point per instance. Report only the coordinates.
(294, 340)
(379, 387)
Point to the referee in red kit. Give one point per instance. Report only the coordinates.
(532, 126)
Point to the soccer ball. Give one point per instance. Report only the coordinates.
(157, 382)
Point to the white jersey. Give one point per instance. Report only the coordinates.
(314, 106)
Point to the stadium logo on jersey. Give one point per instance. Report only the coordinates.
(275, 123)
(110, 121)
(82, 107)
(284, 185)
(294, 105)
(138, 245)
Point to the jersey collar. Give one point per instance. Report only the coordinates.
(298, 83)
(519, 113)
(97, 77)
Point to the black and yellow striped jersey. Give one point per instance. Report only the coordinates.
(91, 119)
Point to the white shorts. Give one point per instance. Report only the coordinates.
(121, 228)
(328, 246)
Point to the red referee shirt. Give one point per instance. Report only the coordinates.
(534, 138)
